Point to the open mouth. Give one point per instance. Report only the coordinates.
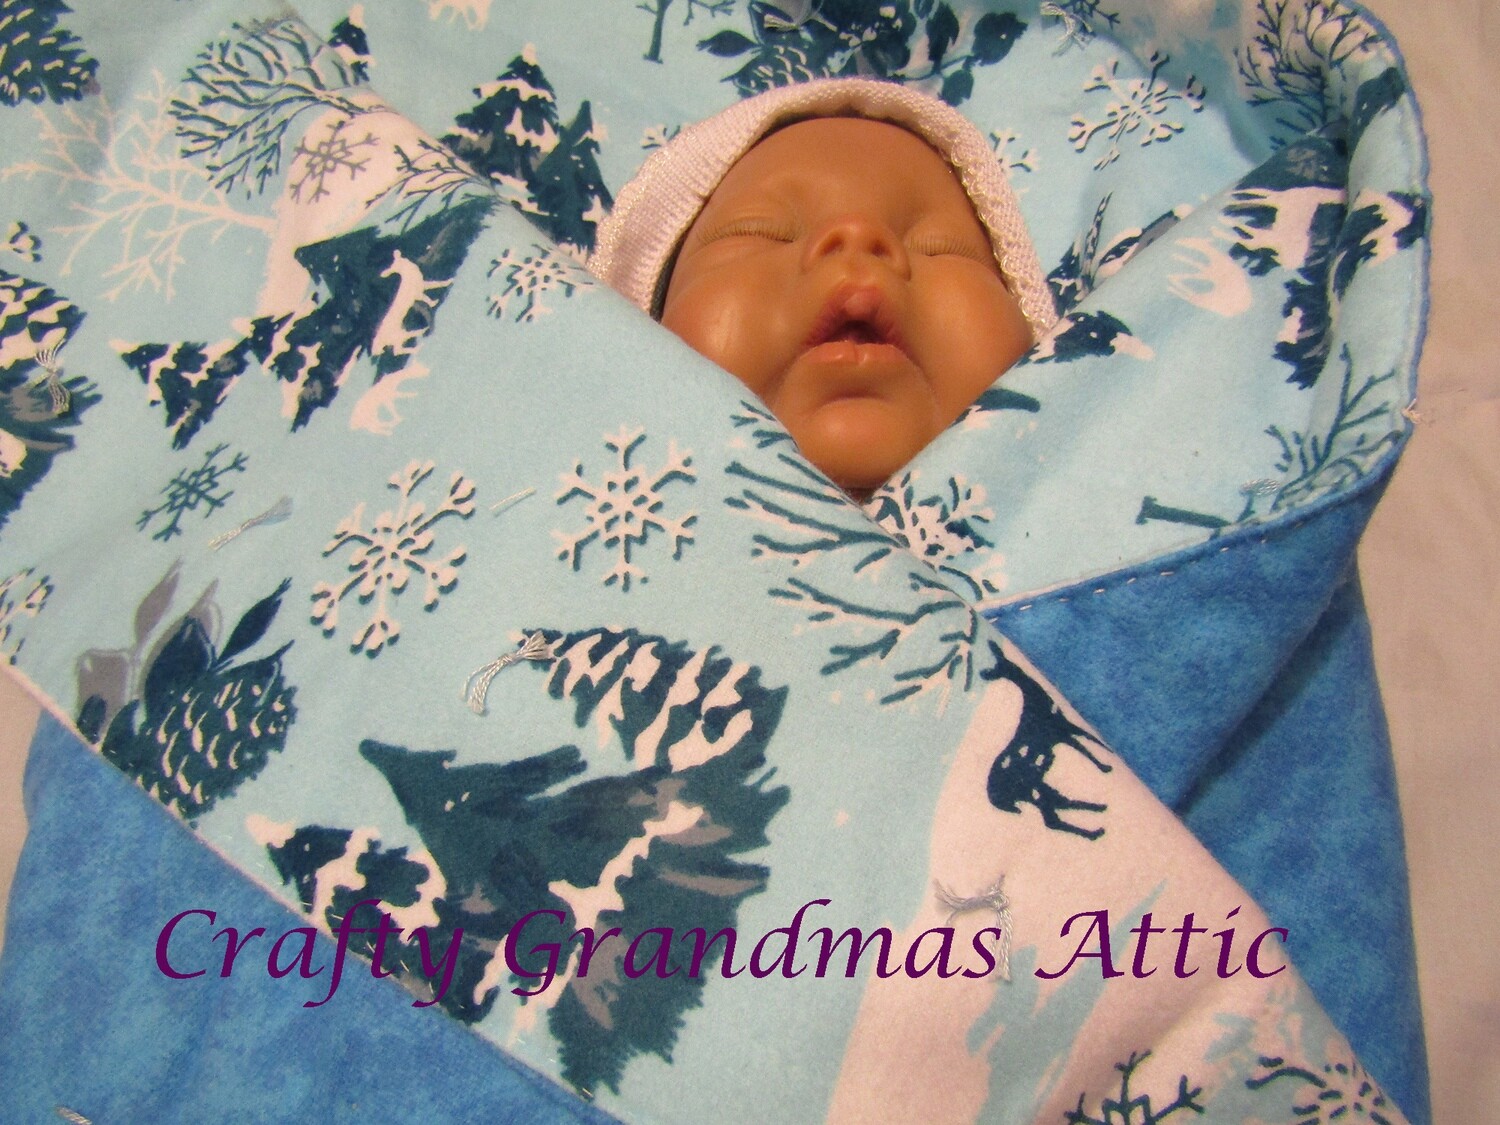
(859, 315)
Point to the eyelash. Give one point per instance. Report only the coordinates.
(938, 245)
(754, 228)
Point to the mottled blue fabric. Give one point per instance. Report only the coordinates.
(253, 1053)
(1183, 696)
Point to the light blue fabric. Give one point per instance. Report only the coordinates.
(415, 583)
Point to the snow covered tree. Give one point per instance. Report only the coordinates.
(378, 293)
(40, 61)
(515, 137)
(682, 794)
(39, 404)
(568, 186)
(514, 125)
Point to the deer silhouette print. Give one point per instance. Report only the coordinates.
(1019, 774)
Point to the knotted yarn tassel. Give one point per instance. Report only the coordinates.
(51, 379)
(991, 899)
(535, 648)
(1074, 29)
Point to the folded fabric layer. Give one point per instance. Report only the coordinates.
(456, 603)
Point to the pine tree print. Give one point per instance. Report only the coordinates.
(647, 835)
(907, 41)
(568, 186)
(379, 293)
(199, 725)
(516, 138)
(40, 61)
(40, 404)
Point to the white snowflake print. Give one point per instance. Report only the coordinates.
(625, 508)
(529, 277)
(388, 554)
(1141, 106)
(16, 604)
(191, 489)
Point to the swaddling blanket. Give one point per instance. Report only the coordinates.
(436, 590)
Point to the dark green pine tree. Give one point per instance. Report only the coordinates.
(38, 59)
(189, 384)
(513, 128)
(568, 186)
(202, 725)
(356, 285)
(503, 834)
(33, 431)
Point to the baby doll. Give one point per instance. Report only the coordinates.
(849, 250)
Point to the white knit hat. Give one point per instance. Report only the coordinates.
(635, 244)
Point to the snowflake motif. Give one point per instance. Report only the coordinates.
(530, 277)
(1011, 162)
(326, 158)
(21, 242)
(12, 610)
(624, 508)
(388, 554)
(1343, 1092)
(191, 489)
(1137, 1110)
(1142, 104)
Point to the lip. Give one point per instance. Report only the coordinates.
(856, 320)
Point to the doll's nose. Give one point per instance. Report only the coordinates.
(856, 233)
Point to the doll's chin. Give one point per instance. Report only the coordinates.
(860, 442)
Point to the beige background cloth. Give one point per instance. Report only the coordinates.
(1430, 563)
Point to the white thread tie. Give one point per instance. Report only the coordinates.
(277, 512)
(535, 648)
(1074, 28)
(513, 498)
(991, 899)
(51, 378)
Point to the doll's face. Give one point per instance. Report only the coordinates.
(839, 271)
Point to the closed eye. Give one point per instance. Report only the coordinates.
(771, 230)
(939, 245)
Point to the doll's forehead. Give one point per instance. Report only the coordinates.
(883, 154)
